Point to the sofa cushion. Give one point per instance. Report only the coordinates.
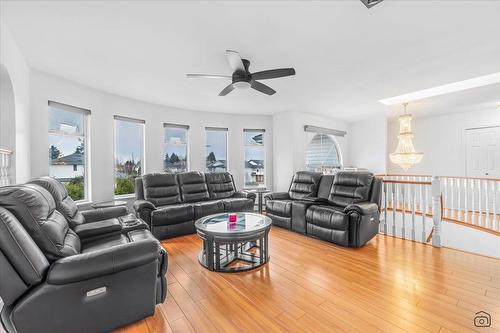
(350, 187)
(279, 207)
(238, 204)
(64, 204)
(172, 214)
(205, 208)
(304, 184)
(35, 208)
(193, 186)
(328, 217)
(161, 189)
(220, 185)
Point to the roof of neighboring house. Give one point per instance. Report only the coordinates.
(217, 164)
(72, 159)
(254, 164)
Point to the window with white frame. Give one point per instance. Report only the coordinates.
(68, 160)
(175, 152)
(216, 149)
(129, 153)
(255, 155)
(322, 152)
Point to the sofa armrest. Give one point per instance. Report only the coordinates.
(143, 210)
(245, 194)
(99, 214)
(103, 262)
(315, 200)
(277, 196)
(362, 208)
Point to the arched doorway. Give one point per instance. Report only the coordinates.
(7, 128)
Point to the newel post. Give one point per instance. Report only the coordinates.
(436, 211)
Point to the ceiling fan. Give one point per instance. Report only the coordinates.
(242, 78)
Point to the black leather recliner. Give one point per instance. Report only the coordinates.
(342, 209)
(171, 203)
(52, 281)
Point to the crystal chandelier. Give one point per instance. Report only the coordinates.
(405, 155)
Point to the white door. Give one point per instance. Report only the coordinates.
(483, 152)
(483, 161)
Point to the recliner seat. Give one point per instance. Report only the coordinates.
(171, 203)
(51, 281)
(342, 209)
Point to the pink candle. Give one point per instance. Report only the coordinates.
(232, 218)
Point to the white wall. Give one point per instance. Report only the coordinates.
(442, 140)
(368, 144)
(14, 64)
(104, 106)
(290, 143)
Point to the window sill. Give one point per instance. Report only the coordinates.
(124, 196)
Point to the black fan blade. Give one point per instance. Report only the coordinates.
(226, 90)
(209, 76)
(263, 88)
(234, 60)
(273, 73)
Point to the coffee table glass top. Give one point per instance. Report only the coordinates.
(246, 222)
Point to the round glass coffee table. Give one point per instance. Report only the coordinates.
(233, 247)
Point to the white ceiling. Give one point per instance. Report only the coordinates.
(346, 56)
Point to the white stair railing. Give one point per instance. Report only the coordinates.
(409, 206)
(470, 201)
(5, 166)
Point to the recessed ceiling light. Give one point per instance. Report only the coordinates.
(371, 3)
(444, 89)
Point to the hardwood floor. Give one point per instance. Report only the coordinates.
(390, 285)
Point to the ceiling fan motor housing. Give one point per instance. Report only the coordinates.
(241, 80)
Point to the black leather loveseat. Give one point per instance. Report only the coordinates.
(343, 209)
(171, 203)
(55, 278)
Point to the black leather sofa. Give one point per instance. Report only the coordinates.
(342, 209)
(53, 280)
(171, 203)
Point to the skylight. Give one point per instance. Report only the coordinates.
(444, 89)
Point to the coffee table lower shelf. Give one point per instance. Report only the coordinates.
(234, 254)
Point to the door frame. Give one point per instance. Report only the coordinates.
(464, 142)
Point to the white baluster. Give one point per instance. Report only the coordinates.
(423, 199)
(413, 206)
(394, 207)
(473, 201)
(436, 213)
(386, 206)
(403, 210)
(479, 203)
(487, 204)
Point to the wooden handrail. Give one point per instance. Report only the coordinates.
(391, 181)
(448, 177)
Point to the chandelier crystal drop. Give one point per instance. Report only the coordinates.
(405, 155)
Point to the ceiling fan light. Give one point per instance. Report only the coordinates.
(242, 85)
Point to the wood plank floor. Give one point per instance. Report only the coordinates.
(389, 285)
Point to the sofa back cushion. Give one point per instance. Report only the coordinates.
(193, 186)
(35, 208)
(220, 185)
(161, 189)
(351, 187)
(22, 263)
(304, 184)
(64, 204)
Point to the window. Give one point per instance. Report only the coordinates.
(67, 143)
(216, 160)
(175, 154)
(322, 153)
(255, 153)
(129, 153)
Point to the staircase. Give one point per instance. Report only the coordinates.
(422, 208)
